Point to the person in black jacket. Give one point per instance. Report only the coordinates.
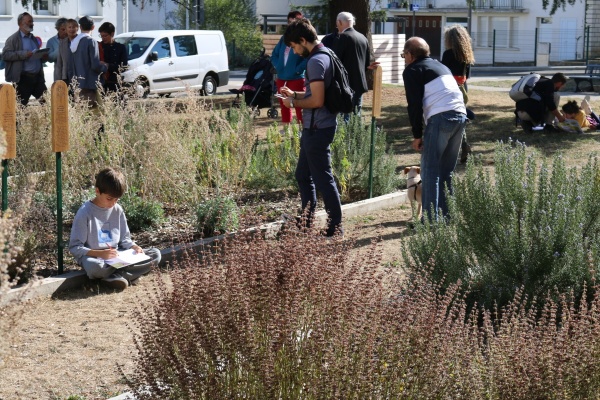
(114, 54)
(437, 114)
(542, 106)
(458, 57)
(352, 48)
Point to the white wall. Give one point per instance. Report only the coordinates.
(44, 24)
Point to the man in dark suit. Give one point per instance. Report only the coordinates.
(352, 48)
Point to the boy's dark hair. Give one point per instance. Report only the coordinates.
(107, 27)
(559, 77)
(86, 23)
(111, 182)
(300, 28)
(294, 14)
(72, 21)
(570, 107)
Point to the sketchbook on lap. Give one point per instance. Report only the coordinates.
(127, 257)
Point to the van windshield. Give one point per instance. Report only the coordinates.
(136, 46)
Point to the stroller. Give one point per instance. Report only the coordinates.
(258, 87)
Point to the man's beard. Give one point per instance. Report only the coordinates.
(305, 52)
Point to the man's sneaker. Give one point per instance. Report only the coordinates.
(116, 281)
(527, 126)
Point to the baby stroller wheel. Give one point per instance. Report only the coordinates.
(272, 113)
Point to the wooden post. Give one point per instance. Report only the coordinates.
(8, 121)
(60, 143)
(376, 113)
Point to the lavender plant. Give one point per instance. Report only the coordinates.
(529, 226)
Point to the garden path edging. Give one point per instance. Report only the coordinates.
(73, 279)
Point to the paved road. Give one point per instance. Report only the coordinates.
(478, 74)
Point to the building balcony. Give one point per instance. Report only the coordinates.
(451, 4)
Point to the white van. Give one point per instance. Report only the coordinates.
(168, 61)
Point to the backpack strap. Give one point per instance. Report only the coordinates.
(327, 51)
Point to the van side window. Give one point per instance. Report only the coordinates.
(185, 46)
(163, 48)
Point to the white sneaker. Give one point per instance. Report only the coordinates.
(585, 105)
(116, 281)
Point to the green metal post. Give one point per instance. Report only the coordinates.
(59, 216)
(535, 48)
(587, 46)
(4, 185)
(494, 49)
(371, 158)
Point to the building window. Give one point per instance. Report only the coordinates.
(89, 7)
(420, 23)
(5, 7)
(45, 7)
(434, 23)
(427, 24)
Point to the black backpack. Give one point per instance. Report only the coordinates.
(338, 95)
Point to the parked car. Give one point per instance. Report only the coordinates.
(168, 61)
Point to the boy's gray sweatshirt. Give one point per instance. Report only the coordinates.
(97, 228)
(86, 61)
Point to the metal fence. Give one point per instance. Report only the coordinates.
(531, 47)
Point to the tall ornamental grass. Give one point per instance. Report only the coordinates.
(299, 317)
(526, 224)
(274, 162)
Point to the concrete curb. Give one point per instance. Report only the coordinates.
(74, 279)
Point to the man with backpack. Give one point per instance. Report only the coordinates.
(433, 97)
(313, 171)
(542, 105)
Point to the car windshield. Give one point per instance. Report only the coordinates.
(136, 46)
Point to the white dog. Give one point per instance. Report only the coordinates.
(413, 185)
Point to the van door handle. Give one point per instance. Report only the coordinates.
(171, 62)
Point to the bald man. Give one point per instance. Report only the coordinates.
(438, 117)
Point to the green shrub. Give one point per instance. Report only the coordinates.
(350, 155)
(304, 318)
(273, 163)
(527, 226)
(217, 215)
(141, 213)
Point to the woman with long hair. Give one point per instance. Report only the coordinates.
(459, 57)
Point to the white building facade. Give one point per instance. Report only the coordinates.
(44, 19)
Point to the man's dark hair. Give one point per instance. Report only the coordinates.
(294, 14)
(107, 27)
(86, 23)
(21, 16)
(300, 29)
(559, 77)
(570, 107)
(111, 182)
(60, 22)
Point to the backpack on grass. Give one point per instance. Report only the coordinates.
(338, 95)
(523, 89)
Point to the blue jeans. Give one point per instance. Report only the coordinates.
(356, 104)
(313, 173)
(441, 144)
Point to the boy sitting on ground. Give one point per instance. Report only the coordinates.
(100, 229)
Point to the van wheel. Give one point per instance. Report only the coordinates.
(142, 88)
(209, 86)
